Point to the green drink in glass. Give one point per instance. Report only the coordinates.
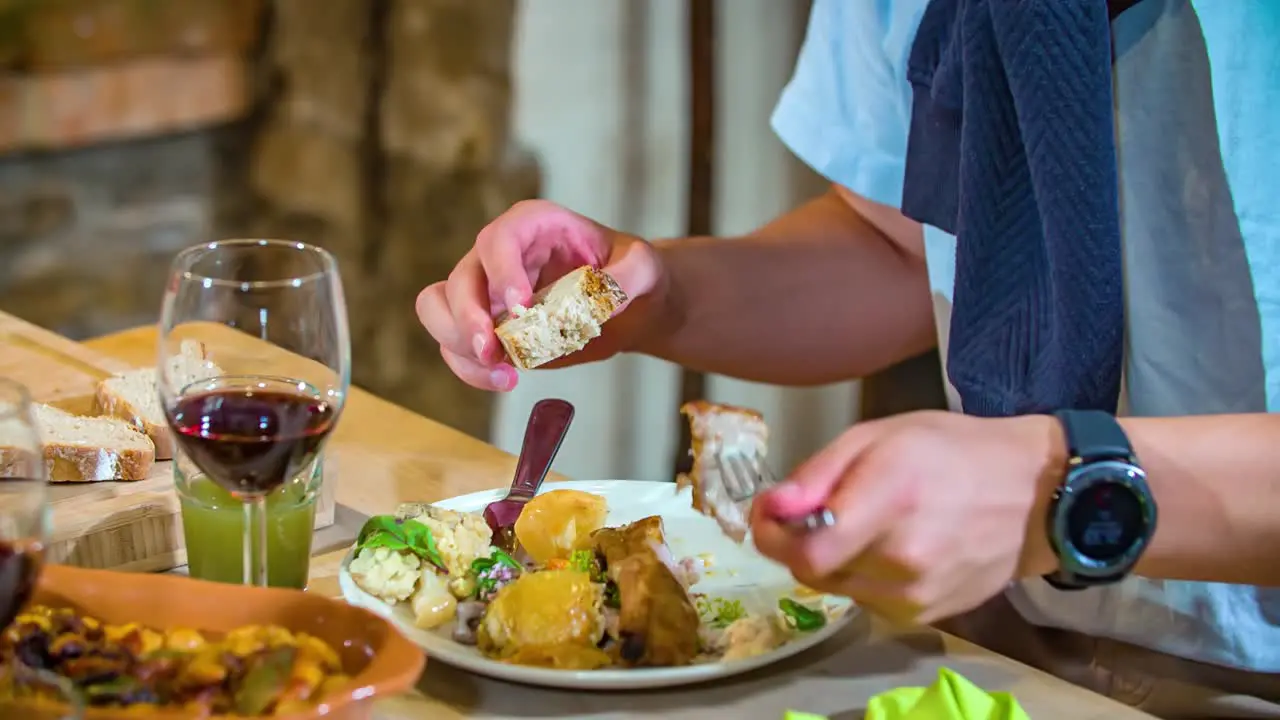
(213, 524)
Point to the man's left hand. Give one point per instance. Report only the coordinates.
(935, 512)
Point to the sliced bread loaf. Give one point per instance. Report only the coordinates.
(91, 449)
(134, 396)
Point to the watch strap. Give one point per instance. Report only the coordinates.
(1093, 435)
(1059, 580)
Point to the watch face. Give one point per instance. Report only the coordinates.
(1105, 521)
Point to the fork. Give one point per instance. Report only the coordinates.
(548, 424)
(745, 476)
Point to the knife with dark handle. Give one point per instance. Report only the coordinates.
(548, 424)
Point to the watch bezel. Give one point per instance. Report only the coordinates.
(1073, 561)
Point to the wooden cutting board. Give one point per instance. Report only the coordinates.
(132, 526)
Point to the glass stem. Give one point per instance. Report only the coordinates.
(255, 540)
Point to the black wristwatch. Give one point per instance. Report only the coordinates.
(1103, 515)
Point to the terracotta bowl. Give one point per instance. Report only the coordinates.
(380, 660)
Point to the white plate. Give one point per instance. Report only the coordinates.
(735, 572)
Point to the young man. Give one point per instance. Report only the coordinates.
(937, 513)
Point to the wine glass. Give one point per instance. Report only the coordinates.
(24, 530)
(254, 367)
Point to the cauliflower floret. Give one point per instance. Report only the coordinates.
(433, 605)
(460, 537)
(386, 574)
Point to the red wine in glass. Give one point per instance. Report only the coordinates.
(250, 434)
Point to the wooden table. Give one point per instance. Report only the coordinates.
(386, 455)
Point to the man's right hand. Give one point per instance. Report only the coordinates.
(524, 249)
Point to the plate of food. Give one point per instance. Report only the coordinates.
(617, 584)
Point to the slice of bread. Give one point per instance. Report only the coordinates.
(92, 449)
(135, 396)
(561, 319)
(712, 427)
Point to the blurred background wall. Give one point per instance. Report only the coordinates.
(388, 131)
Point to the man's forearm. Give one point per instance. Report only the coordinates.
(1216, 482)
(816, 296)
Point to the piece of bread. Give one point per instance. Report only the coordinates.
(92, 449)
(561, 319)
(712, 427)
(135, 396)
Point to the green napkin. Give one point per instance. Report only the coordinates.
(950, 698)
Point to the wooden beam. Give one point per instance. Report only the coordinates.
(701, 194)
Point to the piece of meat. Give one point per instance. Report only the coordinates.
(616, 544)
(714, 428)
(657, 622)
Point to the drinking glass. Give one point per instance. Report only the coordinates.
(254, 366)
(24, 530)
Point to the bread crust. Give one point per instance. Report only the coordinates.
(65, 463)
(73, 463)
(90, 449)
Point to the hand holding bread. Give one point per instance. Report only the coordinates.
(549, 278)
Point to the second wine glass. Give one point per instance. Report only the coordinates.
(254, 367)
(25, 520)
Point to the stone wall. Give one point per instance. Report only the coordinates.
(86, 236)
(385, 139)
(379, 130)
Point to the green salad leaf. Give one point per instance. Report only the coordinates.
(385, 531)
(800, 617)
(719, 612)
(496, 557)
(482, 571)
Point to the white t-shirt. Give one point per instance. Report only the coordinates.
(1196, 97)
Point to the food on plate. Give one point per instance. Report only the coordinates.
(90, 449)
(253, 671)
(800, 616)
(715, 428)
(423, 555)
(589, 596)
(552, 618)
(554, 524)
(459, 537)
(134, 396)
(560, 319)
(657, 623)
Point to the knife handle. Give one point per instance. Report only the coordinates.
(548, 424)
